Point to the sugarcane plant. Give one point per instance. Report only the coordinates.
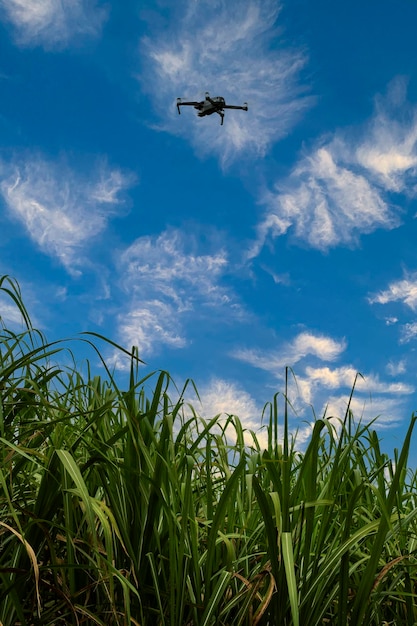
(121, 504)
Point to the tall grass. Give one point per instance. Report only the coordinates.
(123, 506)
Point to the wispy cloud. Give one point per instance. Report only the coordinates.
(345, 377)
(389, 148)
(230, 49)
(408, 332)
(389, 412)
(166, 278)
(164, 265)
(404, 291)
(339, 188)
(313, 382)
(52, 23)
(395, 368)
(225, 398)
(305, 344)
(372, 396)
(10, 314)
(324, 203)
(150, 323)
(61, 209)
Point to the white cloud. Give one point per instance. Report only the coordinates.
(223, 397)
(310, 387)
(162, 264)
(372, 397)
(338, 190)
(327, 378)
(404, 290)
(388, 411)
(395, 368)
(408, 332)
(166, 279)
(230, 49)
(389, 148)
(141, 325)
(279, 279)
(304, 344)
(325, 348)
(10, 314)
(53, 23)
(313, 384)
(61, 209)
(324, 202)
(345, 377)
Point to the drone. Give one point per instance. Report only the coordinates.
(208, 106)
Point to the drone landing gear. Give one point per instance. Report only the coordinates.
(222, 116)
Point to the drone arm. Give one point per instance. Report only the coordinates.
(196, 105)
(180, 103)
(234, 106)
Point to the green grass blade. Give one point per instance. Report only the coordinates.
(288, 558)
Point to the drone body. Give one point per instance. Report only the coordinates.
(209, 105)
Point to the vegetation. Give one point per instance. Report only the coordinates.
(122, 507)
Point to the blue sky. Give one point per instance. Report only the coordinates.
(285, 237)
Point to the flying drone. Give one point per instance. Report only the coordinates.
(208, 106)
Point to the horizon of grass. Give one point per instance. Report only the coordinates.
(118, 506)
